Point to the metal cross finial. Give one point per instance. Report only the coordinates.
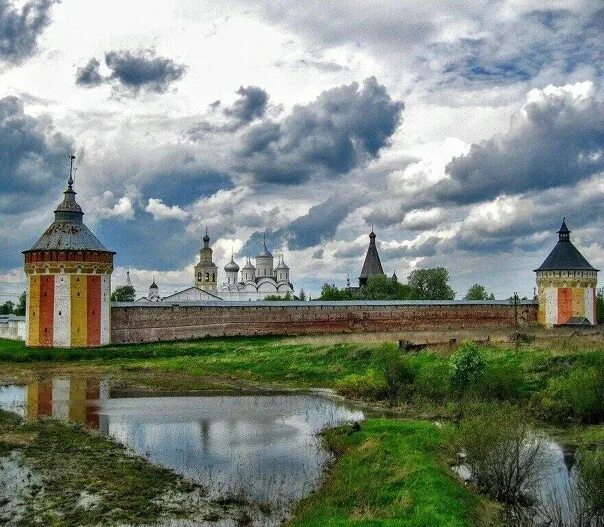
(70, 180)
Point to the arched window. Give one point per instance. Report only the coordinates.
(213, 277)
(207, 277)
(199, 277)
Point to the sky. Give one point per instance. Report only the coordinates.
(462, 132)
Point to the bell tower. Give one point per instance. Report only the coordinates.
(206, 271)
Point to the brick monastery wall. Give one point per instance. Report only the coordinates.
(132, 322)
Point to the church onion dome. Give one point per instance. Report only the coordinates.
(282, 264)
(153, 285)
(565, 256)
(264, 252)
(68, 232)
(231, 267)
(249, 265)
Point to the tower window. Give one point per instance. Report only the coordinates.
(199, 277)
(207, 277)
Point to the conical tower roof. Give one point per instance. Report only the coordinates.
(249, 264)
(282, 264)
(565, 256)
(68, 232)
(372, 265)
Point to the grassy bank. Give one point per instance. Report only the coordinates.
(557, 379)
(73, 478)
(392, 473)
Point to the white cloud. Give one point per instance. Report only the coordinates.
(160, 211)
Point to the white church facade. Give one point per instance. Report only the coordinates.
(256, 282)
(251, 282)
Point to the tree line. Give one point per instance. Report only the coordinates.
(422, 284)
(10, 308)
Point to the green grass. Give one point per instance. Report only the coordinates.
(392, 473)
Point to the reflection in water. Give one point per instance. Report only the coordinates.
(263, 448)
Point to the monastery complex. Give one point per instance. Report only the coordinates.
(69, 288)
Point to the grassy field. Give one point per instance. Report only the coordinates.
(393, 472)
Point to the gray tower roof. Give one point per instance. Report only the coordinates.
(565, 256)
(231, 267)
(68, 232)
(249, 265)
(372, 265)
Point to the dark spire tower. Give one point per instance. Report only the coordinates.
(372, 265)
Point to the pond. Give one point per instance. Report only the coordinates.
(264, 448)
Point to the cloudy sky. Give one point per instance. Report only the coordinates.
(462, 131)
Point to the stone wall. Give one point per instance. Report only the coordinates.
(131, 323)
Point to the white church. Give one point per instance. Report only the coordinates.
(251, 282)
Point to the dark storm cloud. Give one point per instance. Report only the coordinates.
(556, 140)
(339, 131)
(20, 29)
(318, 225)
(249, 106)
(143, 69)
(133, 71)
(33, 158)
(89, 75)
(142, 242)
(185, 183)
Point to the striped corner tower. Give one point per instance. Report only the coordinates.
(68, 282)
(566, 285)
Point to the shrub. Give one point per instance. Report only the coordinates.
(369, 385)
(501, 452)
(579, 396)
(433, 382)
(399, 377)
(501, 382)
(467, 364)
(591, 484)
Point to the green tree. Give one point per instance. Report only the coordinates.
(467, 365)
(478, 292)
(331, 292)
(302, 295)
(7, 308)
(19, 309)
(431, 284)
(380, 287)
(123, 293)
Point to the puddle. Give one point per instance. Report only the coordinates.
(554, 489)
(263, 448)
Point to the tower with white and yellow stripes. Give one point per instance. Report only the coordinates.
(566, 285)
(68, 282)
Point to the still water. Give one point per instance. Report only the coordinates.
(264, 448)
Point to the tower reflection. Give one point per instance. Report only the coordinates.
(74, 399)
